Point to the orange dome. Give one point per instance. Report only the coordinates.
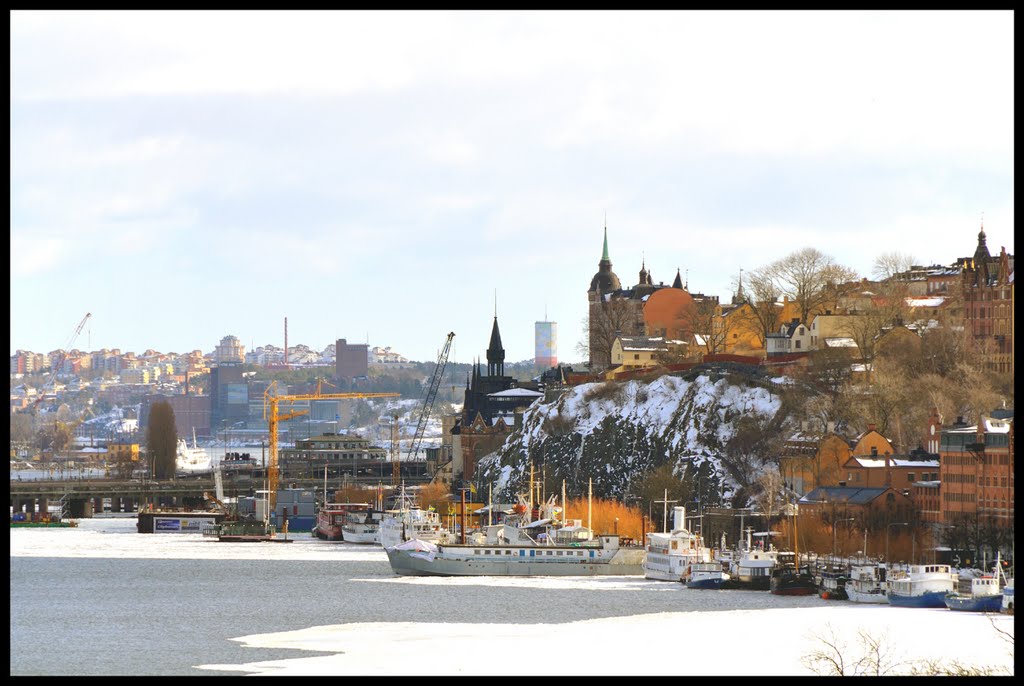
(669, 309)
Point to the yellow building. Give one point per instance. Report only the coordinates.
(633, 352)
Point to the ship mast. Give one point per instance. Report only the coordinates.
(590, 497)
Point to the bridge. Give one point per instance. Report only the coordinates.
(82, 497)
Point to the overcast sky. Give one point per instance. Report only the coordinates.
(388, 177)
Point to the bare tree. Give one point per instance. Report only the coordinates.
(810, 278)
(705, 319)
(890, 264)
(614, 317)
(763, 296)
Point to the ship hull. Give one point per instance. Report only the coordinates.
(417, 563)
(927, 599)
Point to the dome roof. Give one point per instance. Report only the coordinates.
(606, 281)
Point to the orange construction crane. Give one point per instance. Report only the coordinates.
(272, 413)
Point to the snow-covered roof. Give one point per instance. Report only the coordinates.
(515, 392)
(925, 302)
(840, 342)
(992, 426)
(875, 462)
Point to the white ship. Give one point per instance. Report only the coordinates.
(191, 460)
(670, 555)
(407, 521)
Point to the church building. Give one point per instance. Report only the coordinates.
(492, 408)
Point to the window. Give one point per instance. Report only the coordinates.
(798, 345)
(910, 477)
(636, 356)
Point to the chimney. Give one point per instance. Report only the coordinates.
(888, 469)
(871, 427)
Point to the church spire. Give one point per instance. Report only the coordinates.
(604, 255)
(981, 254)
(678, 283)
(739, 297)
(495, 353)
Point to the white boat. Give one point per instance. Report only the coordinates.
(671, 554)
(752, 565)
(867, 583)
(920, 585)
(549, 546)
(1008, 597)
(361, 527)
(985, 595)
(408, 521)
(193, 459)
(568, 550)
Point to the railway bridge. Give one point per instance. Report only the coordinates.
(83, 497)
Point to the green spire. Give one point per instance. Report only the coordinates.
(604, 256)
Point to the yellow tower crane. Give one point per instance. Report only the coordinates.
(272, 413)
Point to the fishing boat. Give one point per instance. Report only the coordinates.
(920, 585)
(832, 582)
(788, 577)
(705, 575)
(867, 583)
(671, 554)
(407, 520)
(361, 526)
(985, 595)
(1007, 608)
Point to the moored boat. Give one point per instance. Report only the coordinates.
(788, 577)
(361, 526)
(985, 594)
(599, 556)
(192, 460)
(1007, 607)
(752, 566)
(920, 585)
(705, 575)
(330, 519)
(407, 520)
(867, 583)
(832, 583)
(670, 554)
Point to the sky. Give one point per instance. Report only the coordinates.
(678, 641)
(390, 176)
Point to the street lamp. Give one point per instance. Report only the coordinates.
(891, 525)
